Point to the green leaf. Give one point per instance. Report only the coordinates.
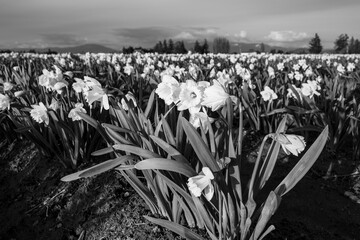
(200, 148)
(136, 150)
(303, 166)
(97, 169)
(175, 227)
(169, 149)
(271, 204)
(103, 151)
(166, 164)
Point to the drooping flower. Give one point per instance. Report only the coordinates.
(97, 94)
(268, 94)
(215, 96)
(168, 89)
(202, 182)
(4, 102)
(290, 143)
(73, 112)
(200, 118)
(39, 113)
(129, 97)
(79, 85)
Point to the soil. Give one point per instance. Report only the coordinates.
(35, 204)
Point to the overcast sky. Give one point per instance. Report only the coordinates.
(117, 23)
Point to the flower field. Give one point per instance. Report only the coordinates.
(176, 127)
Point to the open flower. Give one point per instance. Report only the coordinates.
(268, 94)
(4, 102)
(202, 182)
(215, 96)
(39, 113)
(190, 96)
(8, 86)
(73, 114)
(79, 85)
(290, 143)
(168, 89)
(310, 88)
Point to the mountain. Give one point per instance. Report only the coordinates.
(92, 48)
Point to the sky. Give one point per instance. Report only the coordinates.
(118, 23)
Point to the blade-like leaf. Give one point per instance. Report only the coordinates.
(303, 166)
(136, 150)
(200, 148)
(166, 164)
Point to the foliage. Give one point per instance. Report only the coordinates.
(221, 45)
(315, 44)
(341, 43)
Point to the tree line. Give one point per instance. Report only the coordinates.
(343, 44)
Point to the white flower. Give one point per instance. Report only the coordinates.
(268, 94)
(309, 88)
(340, 68)
(202, 182)
(129, 97)
(8, 86)
(190, 96)
(290, 143)
(54, 104)
(350, 67)
(215, 96)
(97, 94)
(200, 118)
(128, 69)
(79, 85)
(73, 112)
(59, 86)
(39, 113)
(4, 102)
(168, 89)
(271, 72)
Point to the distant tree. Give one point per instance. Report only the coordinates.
(262, 47)
(315, 44)
(341, 43)
(280, 51)
(205, 47)
(357, 46)
(158, 47)
(273, 51)
(165, 46)
(351, 48)
(171, 46)
(197, 47)
(221, 45)
(128, 50)
(180, 47)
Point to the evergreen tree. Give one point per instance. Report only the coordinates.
(352, 45)
(221, 45)
(262, 47)
(341, 43)
(159, 47)
(197, 47)
(165, 46)
(171, 46)
(315, 44)
(205, 47)
(180, 47)
(357, 46)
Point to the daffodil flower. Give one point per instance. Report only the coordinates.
(97, 94)
(290, 143)
(268, 94)
(215, 96)
(39, 113)
(73, 112)
(190, 96)
(129, 97)
(200, 118)
(168, 89)
(202, 183)
(4, 102)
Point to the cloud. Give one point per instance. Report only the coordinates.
(62, 39)
(241, 34)
(287, 36)
(149, 36)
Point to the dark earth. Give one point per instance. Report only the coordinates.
(35, 204)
